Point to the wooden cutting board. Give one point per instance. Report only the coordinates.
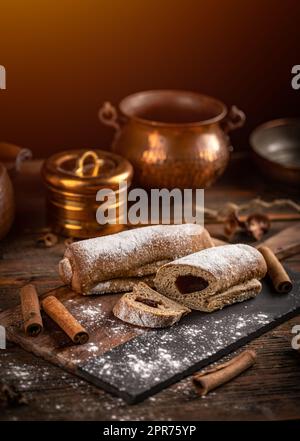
(284, 244)
(150, 360)
(134, 363)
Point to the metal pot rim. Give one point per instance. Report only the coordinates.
(274, 123)
(123, 106)
(279, 122)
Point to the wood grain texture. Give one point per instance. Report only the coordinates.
(269, 390)
(92, 312)
(242, 322)
(286, 243)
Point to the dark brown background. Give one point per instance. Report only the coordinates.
(64, 58)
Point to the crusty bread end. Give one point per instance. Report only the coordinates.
(147, 308)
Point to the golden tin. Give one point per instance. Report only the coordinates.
(72, 179)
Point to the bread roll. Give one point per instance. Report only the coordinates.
(235, 294)
(205, 280)
(124, 284)
(147, 308)
(130, 253)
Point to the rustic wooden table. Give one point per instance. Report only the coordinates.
(269, 390)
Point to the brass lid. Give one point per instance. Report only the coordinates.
(86, 171)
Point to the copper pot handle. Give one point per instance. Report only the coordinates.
(13, 156)
(108, 115)
(234, 120)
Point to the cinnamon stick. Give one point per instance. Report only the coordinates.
(278, 275)
(215, 377)
(65, 320)
(30, 306)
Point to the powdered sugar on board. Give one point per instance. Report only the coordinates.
(91, 315)
(149, 362)
(104, 329)
(146, 360)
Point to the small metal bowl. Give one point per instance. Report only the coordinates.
(276, 148)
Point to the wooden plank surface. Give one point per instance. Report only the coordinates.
(107, 332)
(95, 315)
(269, 390)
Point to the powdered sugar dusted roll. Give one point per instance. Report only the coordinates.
(213, 278)
(128, 254)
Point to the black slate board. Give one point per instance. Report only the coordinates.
(145, 365)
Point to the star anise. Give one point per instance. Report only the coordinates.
(257, 224)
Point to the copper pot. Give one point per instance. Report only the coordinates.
(174, 139)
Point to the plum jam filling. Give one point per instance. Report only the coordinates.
(189, 284)
(148, 302)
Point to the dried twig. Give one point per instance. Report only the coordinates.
(252, 205)
(48, 240)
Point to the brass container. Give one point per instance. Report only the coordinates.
(174, 139)
(72, 180)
